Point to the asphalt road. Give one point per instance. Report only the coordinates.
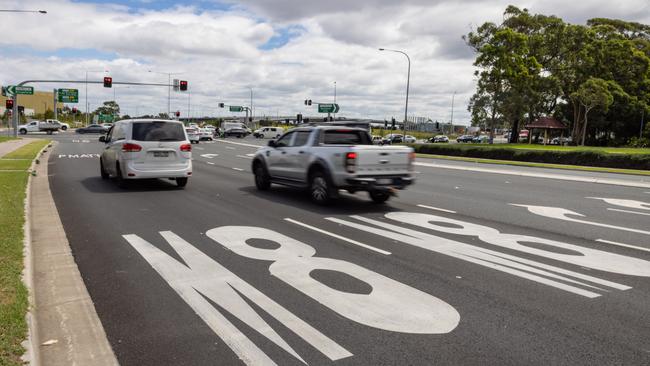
(449, 272)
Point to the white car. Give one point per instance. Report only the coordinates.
(145, 149)
(268, 132)
(193, 135)
(206, 134)
(409, 139)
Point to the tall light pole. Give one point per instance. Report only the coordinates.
(335, 98)
(408, 82)
(87, 71)
(169, 88)
(251, 88)
(451, 122)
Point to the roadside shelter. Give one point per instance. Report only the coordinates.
(547, 124)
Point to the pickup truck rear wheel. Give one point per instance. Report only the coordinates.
(320, 189)
(262, 180)
(23, 131)
(379, 196)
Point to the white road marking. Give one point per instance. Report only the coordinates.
(437, 209)
(560, 214)
(624, 203)
(199, 148)
(628, 211)
(239, 143)
(209, 162)
(244, 157)
(79, 156)
(230, 148)
(573, 178)
(623, 245)
(209, 156)
(381, 251)
(251, 155)
(200, 278)
(238, 169)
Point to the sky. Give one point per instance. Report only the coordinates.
(284, 51)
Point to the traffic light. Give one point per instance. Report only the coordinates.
(437, 125)
(178, 113)
(108, 82)
(393, 124)
(307, 101)
(74, 110)
(250, 119)
(385, 124)
(9, 104)
(299, 117)
(221, 105)
(183, 85)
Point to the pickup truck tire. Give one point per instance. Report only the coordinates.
(379, 196)
(63, 128)
(320, 189)
(262, 180)
(23, 131)
(181, 182)
(102, 171)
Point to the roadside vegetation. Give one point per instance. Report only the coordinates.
(13, 294)
(6, 138)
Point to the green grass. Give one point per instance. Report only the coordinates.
(604, 150)
(5, 138)
(13, 294)
(538, 165)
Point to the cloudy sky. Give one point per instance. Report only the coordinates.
(285, 50)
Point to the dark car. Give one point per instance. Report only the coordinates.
(92, 129)
(465, 138)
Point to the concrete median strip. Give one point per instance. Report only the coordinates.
(573, 178)
(62, 309)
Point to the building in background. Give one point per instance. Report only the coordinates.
(38, 103)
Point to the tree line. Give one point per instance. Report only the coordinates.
(595, 78)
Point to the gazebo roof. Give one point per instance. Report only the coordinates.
(547, 122)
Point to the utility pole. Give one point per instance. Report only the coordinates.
(56, 114)
(335, 97)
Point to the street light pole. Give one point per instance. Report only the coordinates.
(169, 88)
(87, 71)
(251, 103)
(453, 96)
(335, 98)
(408, 82)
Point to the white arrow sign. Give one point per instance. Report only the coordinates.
(209, 156)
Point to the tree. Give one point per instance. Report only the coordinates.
(110, 107)
(592, 94)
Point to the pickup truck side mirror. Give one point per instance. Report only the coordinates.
(102, 139)
(272, 143)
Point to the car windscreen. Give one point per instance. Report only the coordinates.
(158, 131)
(346, 137)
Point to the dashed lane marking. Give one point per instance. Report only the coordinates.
(628, 211)
(209, 162)
(244, 157)
(437, 209)
(622, 245)
(238, 169)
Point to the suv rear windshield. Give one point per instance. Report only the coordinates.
(158, 131)
(346, 137)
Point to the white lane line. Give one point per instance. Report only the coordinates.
(628, 211)
(209, 162)
(251, 155)
(230, 148)
(239, 143)
(573, 178)
(238, 169)
(209, 156)
(338, 236)
(244, 157)
(199, 148)
(437, 209)
(622, 245)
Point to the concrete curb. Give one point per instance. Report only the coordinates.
(67, 330)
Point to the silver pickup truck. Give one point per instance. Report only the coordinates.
(326, 159)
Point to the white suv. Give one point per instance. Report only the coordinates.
(146, 148)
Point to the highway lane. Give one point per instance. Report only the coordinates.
(488, 302)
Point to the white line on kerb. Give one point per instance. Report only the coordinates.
(238, 169)
(628, 211)
(338, 236)
(622, 245)
(437, 209)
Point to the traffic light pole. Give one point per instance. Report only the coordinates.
(15, 96)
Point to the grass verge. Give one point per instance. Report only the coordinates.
(6, 138)
(13, 294)
(538, 165)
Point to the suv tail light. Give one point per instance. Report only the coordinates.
(130, 147)
(411, 160)
(186, 147)
(351, 162)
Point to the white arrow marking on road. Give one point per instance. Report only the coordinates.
(437, 209)
(201, 277)
(560, 214)
(209, 156)
(624, 203)
(623, 245)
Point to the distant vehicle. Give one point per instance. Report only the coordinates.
(561, 140)
(64, 126)
(268, 132)
(377, 140)
(324, 159)
(409, 139)
(393, 138)
(523, 134)
(481, 139)
(439, 138)
(107, 125)
(94, 128)
(236, 129)
(193, 135)
(39, 126)
(465, 138)
(205, 134)
(144, 149)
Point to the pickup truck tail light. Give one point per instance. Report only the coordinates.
(411, 160)
(130, 147)
(351, 162)
(186, 147)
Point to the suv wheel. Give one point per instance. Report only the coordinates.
(119, 179)
(64, 128)
(262, 181)
(320, 189)
(102, 171)
(379, 196)
(181, 182)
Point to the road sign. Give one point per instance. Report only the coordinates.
(328, 108)
(236, 108)
(68, 95)
(26, 90)
(105, 118)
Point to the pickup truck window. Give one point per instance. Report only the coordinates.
(284, 140)
(346, 137)
(301, 138)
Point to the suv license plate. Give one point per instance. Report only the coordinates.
(384, 181)
(160, 154)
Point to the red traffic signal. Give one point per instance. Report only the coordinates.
(108, 82)
(9, 104)
(183, 85)
(178, 113)
(74, 110)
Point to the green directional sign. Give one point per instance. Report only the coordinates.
(14, 90)
(68, 95)
(328, 108)
(236, 108)
(105, 118)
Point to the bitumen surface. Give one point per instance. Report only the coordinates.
(458, 269)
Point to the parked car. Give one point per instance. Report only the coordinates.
(561, 140)
(409, 139)
(439, 138)
(465, 138)
(39, 126)
(94, 128)
(481, 139)
(268, 132)
(326, 159)
(523, 134)
(193, 135)
(144, 149)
